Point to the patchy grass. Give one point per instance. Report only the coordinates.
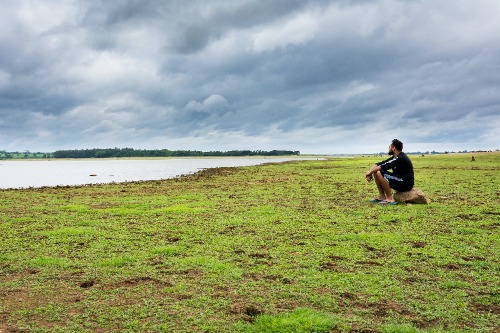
(292, 247)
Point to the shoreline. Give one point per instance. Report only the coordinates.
(166, 158)
(105, 172)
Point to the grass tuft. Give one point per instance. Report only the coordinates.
(48, 262)
(117, 262)
(167, 251)
(298, 321)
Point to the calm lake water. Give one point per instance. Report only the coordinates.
(34, 173)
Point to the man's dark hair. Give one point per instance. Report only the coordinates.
(397, 144)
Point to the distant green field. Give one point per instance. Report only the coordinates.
(292, 247)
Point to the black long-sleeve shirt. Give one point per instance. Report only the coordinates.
(401, 167)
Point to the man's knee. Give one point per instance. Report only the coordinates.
(378, 177)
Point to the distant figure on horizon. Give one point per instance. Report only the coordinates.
(473, 159)
(400, 179)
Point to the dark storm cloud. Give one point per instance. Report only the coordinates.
(316, 76)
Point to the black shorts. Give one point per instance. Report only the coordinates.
(396, 183)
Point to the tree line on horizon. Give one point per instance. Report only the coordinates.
(130, 152)
(16, 155)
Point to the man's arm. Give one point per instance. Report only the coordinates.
(373, 169)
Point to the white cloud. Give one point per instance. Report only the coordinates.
(298, 30)
(39, 17)
(208, 104)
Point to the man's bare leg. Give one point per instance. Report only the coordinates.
(383, 187)
(381, 193)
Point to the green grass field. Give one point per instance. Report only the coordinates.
(292, 247)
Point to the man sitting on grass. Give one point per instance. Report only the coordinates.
(401, 179)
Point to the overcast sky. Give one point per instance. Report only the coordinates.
(311, 75)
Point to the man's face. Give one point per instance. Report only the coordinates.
(391, 150)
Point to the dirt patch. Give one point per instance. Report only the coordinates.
(368, 263)
(493, 226)
(6, 329)
(451, 266)
(491, 308)
(335, 258)
(349, 296)
(330, 266)
(260, 256)
(134, 281)
(378, 253)
(469, 217)
(424, 323)
(173, 239)
(414, 279)
(278, 278)
(87, 284)
(62, 293)
(274, 180)
(473, 258)
(192, 273)
(229, 230)
(418, 245)
(382, 308)
(212, 172)
(247, 311)
(358, 329)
